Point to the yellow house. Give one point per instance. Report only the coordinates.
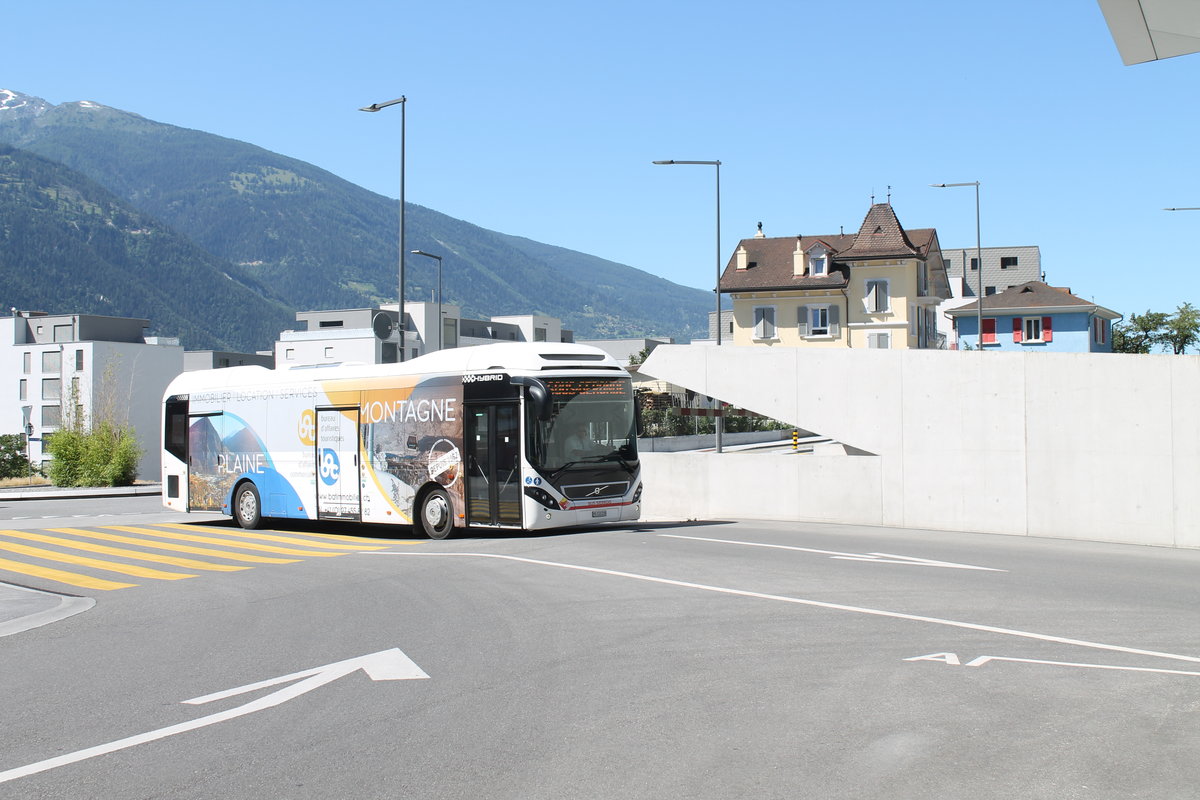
(879, 288)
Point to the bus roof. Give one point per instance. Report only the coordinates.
(511, 357)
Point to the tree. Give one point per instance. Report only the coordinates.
(1140, 334)
(105, 453)
(13, 463)
(1182, 329)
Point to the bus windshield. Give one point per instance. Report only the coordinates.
(591, 422)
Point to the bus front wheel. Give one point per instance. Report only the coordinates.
(435, 514)
(247, 509)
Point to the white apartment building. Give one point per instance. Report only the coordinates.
(106, 364)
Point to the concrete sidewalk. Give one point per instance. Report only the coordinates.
(22, 609)
(56, 492)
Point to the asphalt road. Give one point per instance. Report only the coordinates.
(702, 660)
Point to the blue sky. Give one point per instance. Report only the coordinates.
(541, 119)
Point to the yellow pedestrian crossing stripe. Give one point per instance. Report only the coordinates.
(62, 576)
(40, 554)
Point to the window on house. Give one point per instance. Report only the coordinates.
(730, 327)
(1008, 262)
(816, 265)
(51, 389)
(63, 333)
(330, 323)
(820, 321)
(1033, 329)
(879, 341)
(329, 352)
(989, 330)
(974, 263)
(51, 361)
(764, 322)
(539, 334)
(877, 296)
(26, 362)
(78, 360)
(912, 319)
(23, 391)
(289, 354)
(988, 291)
(51, 416)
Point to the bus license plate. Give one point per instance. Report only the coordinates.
(599, 513)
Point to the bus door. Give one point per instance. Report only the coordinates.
(339, 490)
(206, 478)
(493, 453)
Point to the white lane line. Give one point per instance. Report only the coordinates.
(879, 558)
(972, 626)
(979, 662)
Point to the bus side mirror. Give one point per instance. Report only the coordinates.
(539, 395)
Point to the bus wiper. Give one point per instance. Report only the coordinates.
(554, 475)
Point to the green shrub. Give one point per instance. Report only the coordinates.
(13, 463)
(107, 455)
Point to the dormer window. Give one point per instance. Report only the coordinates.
(818, 261)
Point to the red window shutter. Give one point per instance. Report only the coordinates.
(989, 330)
(1017, 328)
(1103, 331)
(1047, 329)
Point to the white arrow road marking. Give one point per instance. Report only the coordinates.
(979, 662)
(875, 612)
(386, 665)
(951, 659)
(878, 558)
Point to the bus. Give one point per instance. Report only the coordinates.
(512, 435)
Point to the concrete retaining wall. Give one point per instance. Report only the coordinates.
(1088, 446)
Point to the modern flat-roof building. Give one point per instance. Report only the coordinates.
(370, 335)
(106, 366)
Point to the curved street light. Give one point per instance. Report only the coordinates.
(439, 260)
(402, 102)
(719, 425)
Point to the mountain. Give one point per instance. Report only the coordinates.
(67, 245)
(317, 241)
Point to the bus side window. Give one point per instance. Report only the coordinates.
(175, 430)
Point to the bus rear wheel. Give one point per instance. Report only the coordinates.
(247, 508)
(435, 514)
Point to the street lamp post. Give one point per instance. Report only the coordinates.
(978, 258)
(719, 424)
(439, 260)
(402, 102)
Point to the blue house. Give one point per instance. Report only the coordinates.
(1034, 316)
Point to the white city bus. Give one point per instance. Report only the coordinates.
(521, 436)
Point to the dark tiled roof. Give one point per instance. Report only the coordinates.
(773, 264)
(880, 236)
(1033, 294)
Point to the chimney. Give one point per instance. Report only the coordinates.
(799, 260)
(742, 257)
(760, 234)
